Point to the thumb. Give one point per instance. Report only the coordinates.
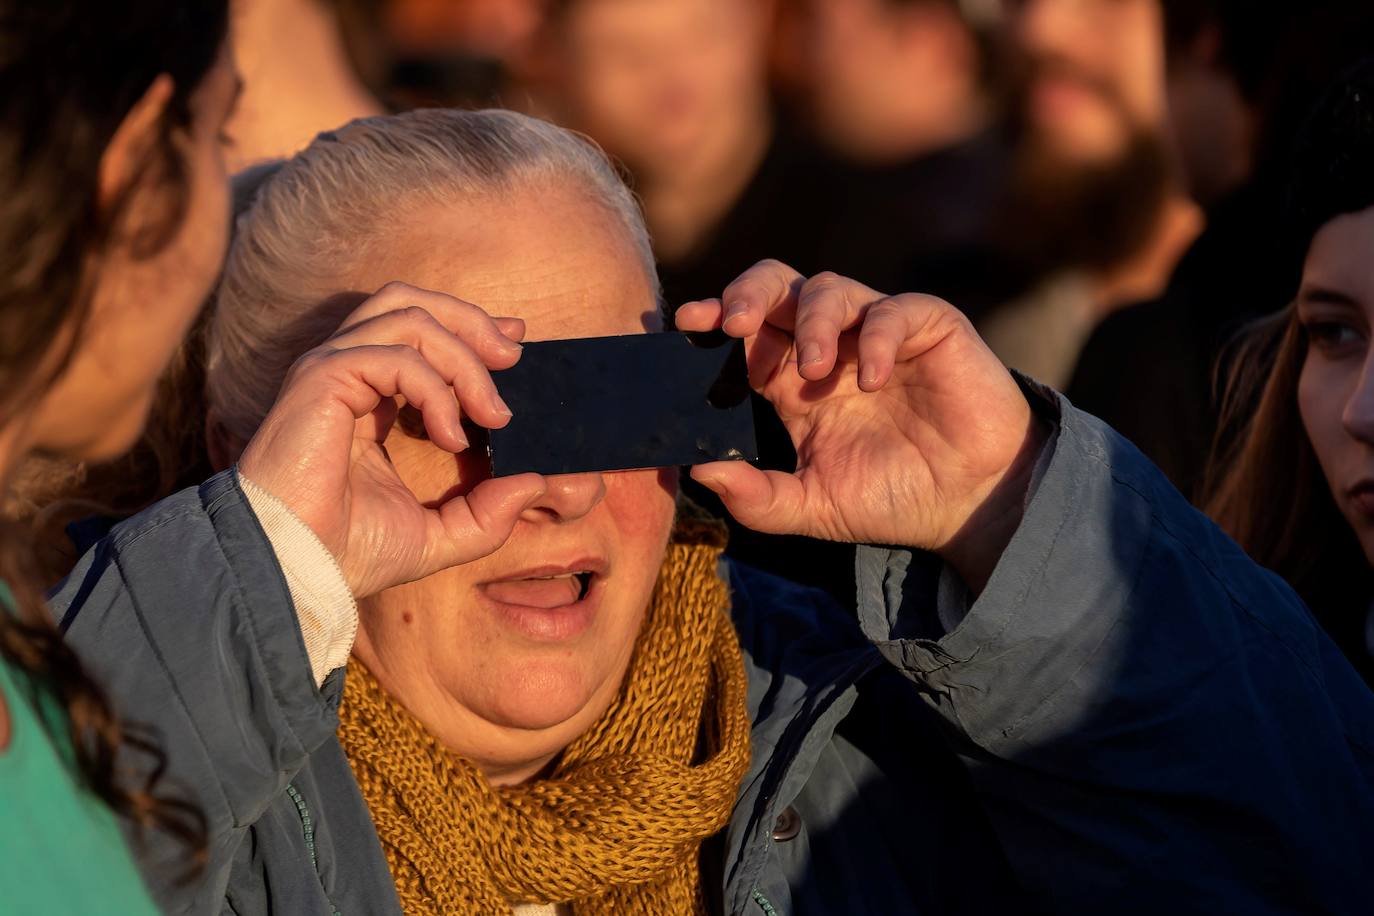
(478, 523)
(768, 501)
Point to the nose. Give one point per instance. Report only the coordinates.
(568, 497)
(1358, 415)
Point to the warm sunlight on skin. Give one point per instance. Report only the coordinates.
(509, 658)
(1336, 389)
(142, 306)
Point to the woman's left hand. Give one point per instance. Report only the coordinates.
(908, 430)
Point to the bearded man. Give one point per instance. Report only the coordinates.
(1097, 212)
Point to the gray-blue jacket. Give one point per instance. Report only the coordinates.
(1131, 718)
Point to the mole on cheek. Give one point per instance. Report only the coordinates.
(407, 617)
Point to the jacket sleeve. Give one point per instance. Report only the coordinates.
(183, 616)
(1153, 723)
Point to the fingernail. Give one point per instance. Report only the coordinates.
(868, 374)
(462, 440)
(810, 353)
(711, 483)
(735, 310)
(500, 406)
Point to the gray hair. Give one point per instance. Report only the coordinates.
(307, 219)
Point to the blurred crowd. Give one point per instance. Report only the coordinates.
(1100, 185)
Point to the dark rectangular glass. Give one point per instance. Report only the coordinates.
(621, 403)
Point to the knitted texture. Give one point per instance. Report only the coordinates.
(617, 827)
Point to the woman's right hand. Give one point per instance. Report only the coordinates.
(320, 449)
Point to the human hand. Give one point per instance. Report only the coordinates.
(908, 430)
(320, 448)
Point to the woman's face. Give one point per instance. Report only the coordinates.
(509, 658)
(143, 305)
(1336, 387)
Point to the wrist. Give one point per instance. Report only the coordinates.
(977, 546)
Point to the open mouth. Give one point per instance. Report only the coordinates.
(548, 592)
(582, 581)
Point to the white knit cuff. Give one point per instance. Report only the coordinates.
(325, 608)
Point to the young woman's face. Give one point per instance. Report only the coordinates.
(509, 658)
(1336, 388)
(143, 305)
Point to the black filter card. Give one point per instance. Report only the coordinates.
(622, 403)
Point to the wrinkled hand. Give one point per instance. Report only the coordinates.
(908, 430)
(320, 448)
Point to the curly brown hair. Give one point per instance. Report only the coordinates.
(71, 71)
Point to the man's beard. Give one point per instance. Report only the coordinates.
(1062, 214)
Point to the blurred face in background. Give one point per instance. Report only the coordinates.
(1092, 173)
(882, 79)
(1096, 74)
(653, 81)
(495, 28)
(1336, 387)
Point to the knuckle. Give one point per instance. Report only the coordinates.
(743, 284)
(824, 285)
(414, 316)
(457, 308)
(780, 271)
(887, 310)
(394, 288)
(308, 361)
(956, 313)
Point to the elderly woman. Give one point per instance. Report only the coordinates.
(1063, 690)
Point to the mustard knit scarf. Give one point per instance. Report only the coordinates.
(618, 825)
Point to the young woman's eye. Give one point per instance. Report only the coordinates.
(1333, 336)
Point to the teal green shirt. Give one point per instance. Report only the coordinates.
(61, 851)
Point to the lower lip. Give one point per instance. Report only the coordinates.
(549, 625)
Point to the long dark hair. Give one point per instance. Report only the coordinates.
(1267, 490)
(70, 72)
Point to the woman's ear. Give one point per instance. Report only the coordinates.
(133, 142)
(222, 446)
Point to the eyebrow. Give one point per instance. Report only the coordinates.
(1325, 295)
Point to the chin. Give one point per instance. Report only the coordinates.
(113, 443)
(541, 696)
(114, 436)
